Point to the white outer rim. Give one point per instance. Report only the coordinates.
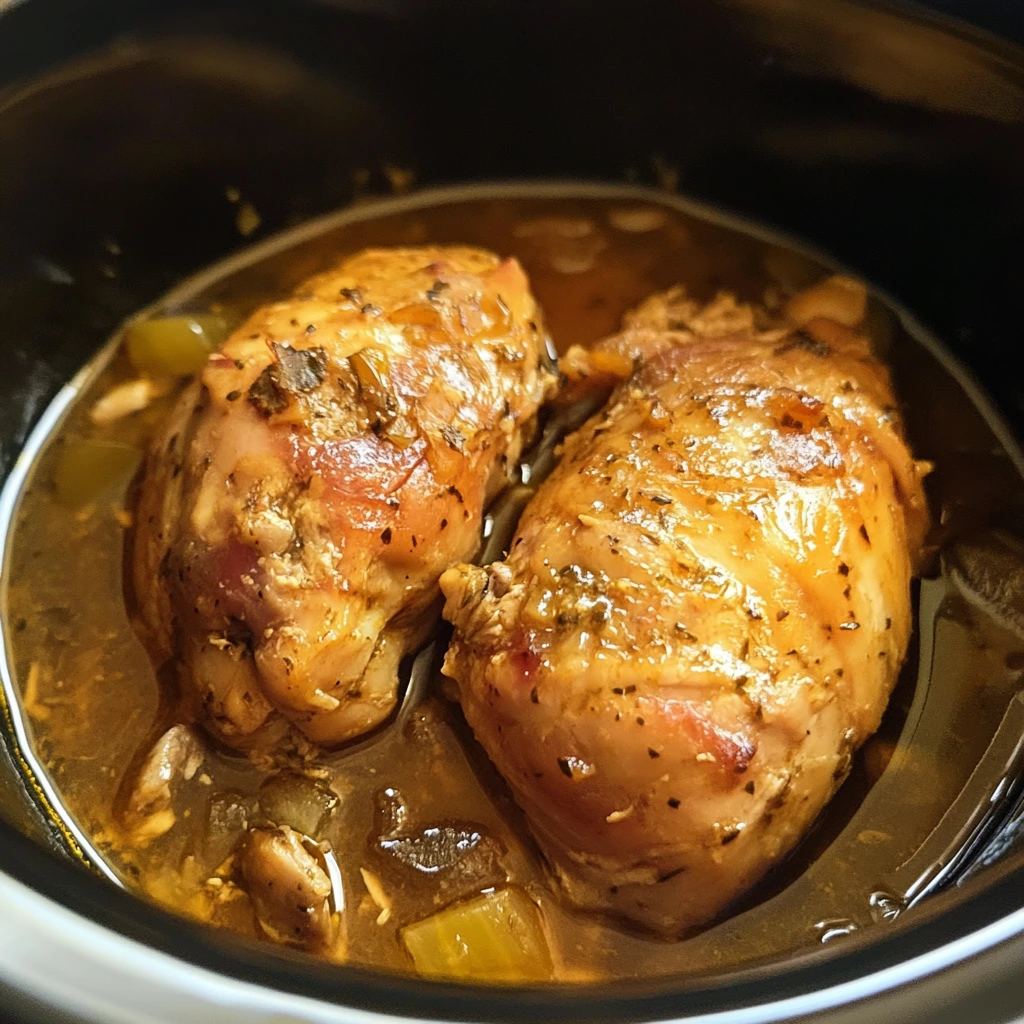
(104, 977)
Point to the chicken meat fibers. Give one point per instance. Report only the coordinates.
(332, 460)
(705, 606)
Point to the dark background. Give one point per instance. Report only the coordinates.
(1004, 17)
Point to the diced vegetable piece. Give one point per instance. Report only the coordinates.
(227, 819)
(127, 398)
(433, 849)
(638, 219)
(86, 469)
(837, 298)
(153, 827)
(173, 346)
(494, 937)
(289, 889)
(294, 800)
(175, 758)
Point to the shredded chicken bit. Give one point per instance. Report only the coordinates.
(331, 461)
(705, 607)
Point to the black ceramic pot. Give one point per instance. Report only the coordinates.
(890, 140)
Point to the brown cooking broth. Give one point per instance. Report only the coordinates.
(93, 701)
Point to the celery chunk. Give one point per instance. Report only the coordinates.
(173, 346)
(494, 937)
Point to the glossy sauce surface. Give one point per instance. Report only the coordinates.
(415, 814)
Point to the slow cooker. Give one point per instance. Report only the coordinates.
(890, 138)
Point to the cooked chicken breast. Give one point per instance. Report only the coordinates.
(332, 460)
(705, 606)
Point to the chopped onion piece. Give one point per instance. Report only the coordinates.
(296, 801)
(123, 400)
(837, 298)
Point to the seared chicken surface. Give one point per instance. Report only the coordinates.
(705, 606)
(332, 460)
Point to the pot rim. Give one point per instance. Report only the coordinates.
(121, 958)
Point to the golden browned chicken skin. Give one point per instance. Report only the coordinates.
(705, 606)
(331, 461)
